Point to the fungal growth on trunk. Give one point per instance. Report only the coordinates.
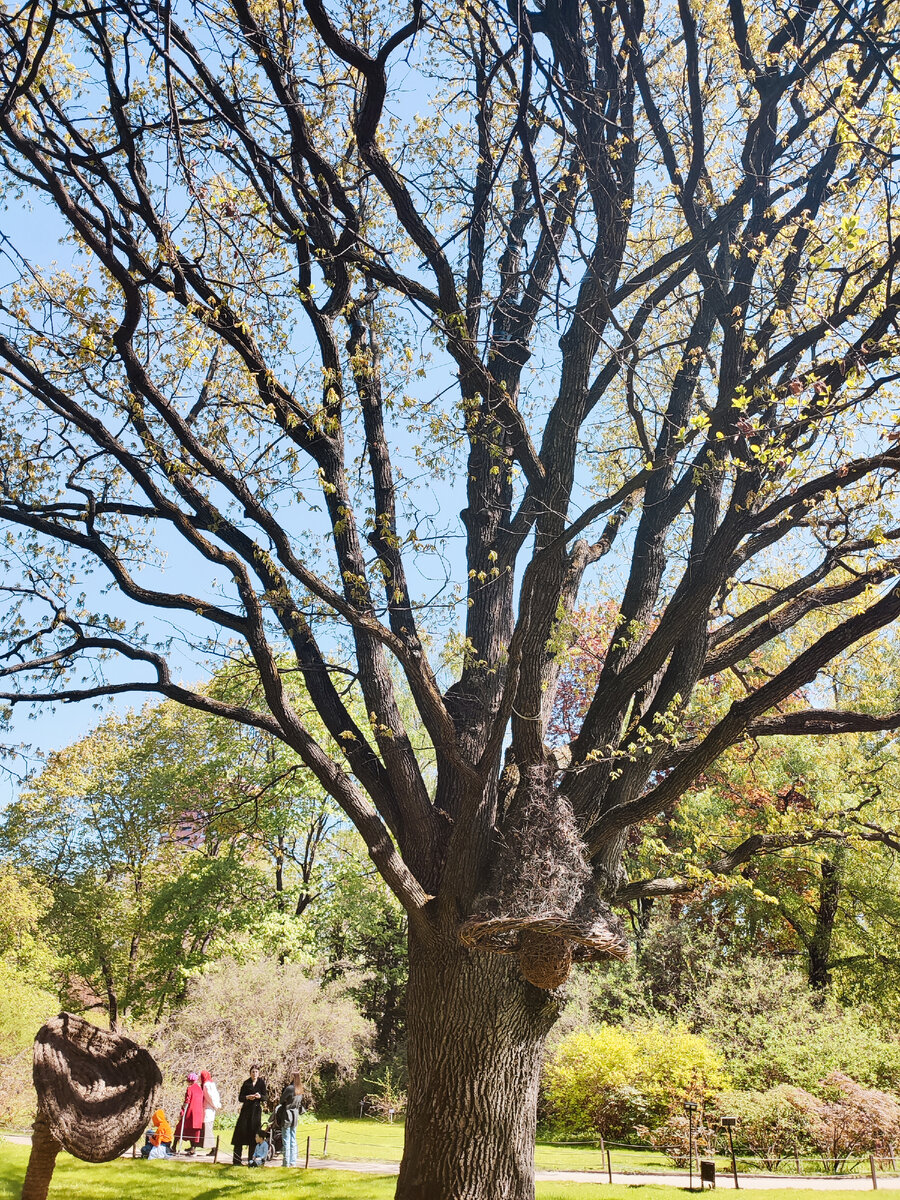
(96, 1091)
(541, 903)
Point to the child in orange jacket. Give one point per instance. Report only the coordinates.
(159, 1138)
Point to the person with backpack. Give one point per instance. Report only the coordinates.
(290, 1106)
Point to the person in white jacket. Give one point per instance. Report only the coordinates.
(211, 1105)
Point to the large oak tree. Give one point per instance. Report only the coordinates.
(616, 308)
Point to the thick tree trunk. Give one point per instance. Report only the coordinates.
(476, 1031)
(830, 886)
(41, 1161)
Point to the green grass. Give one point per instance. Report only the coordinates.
(75, 1180)
(550, 1156)
(373, 1141)
(368, 1140)
(352, 1139)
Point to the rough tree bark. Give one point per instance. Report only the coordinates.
(633, 284)
(819, 949)
(41, 1160)
(476, 1032)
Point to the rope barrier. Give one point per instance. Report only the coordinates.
(855, 1167)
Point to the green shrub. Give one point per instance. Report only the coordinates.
(23, 1010)
(759, 1013)
(610, 1079)
(843, 1123)
(771, 1125)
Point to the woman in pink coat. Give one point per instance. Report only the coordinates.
(189, 1126)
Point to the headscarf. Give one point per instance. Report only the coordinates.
(205, 1077)
(192, 1077)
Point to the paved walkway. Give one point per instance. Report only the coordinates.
(830, 1183)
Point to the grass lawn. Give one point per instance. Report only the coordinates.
(369, 1140)
(75, 1180)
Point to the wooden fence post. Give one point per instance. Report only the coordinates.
(325, 1144)
(308, 1140)
(874, 1177)
(609, 1164)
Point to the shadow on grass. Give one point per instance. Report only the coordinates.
(74, 1180)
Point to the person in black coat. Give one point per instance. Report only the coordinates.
(252, 1096)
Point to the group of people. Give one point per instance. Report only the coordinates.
(250, 1129)
(194, 1124)
(198, 1113)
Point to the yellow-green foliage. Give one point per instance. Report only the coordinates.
(27, 992)
(609, 1079)
(23, 1010)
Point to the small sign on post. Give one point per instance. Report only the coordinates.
(707, 1172)
(729, 1124)
(690, 1108)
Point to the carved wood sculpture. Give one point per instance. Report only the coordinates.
(96, 1091)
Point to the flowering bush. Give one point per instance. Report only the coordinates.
(845, 1122)
(851, 1120)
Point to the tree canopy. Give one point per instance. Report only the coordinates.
(617, 308)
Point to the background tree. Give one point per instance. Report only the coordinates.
(361, 936)
(786, 845)
(138, 896)
(165, 839)
(626, 291)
